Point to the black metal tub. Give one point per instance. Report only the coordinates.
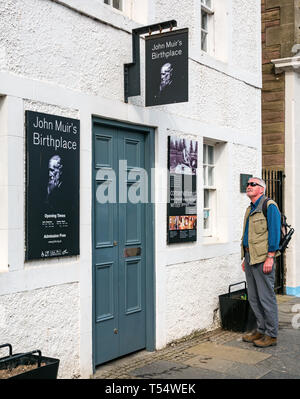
(46, 367)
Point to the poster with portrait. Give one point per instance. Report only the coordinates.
(52, 186)
(182, 187)
(167, 68)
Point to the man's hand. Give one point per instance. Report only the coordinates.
(268, 265)
(243, 265)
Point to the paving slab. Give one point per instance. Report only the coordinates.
(293, 299)
(284, 364)
(289, 339)
(210, 363)
(170, 370)
(283, 298)
(288, 342)
(237, 370)
(235, 354)
(277, 375)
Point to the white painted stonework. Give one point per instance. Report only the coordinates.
(291, 67)
(45, 318)
(192, 301)
(55, 58)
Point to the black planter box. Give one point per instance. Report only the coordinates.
(236, 313)
(41, 371)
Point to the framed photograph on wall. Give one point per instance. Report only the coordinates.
(182, 189)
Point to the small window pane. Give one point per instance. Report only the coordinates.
(204, 176)
(204, 153)
(117, 4)
(204, 41)
(206, 219)
(206, 3)
(210, 176)
(204, 20)
(206, 199)
(210, 155)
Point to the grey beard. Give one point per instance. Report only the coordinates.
(163, 85)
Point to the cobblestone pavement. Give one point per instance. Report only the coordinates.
(196, 356)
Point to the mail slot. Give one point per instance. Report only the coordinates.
(128, 252)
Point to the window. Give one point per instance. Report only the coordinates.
(216, 191)
(115, 3)
(209, 188)
(206, 24)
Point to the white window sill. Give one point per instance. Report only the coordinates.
(111, 8)
(207, 59)
(206, 9)
(209, 187)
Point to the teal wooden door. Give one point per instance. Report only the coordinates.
(119, 249)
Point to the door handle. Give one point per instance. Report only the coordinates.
(115, 243)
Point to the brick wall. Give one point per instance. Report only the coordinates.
(273, 86)
(279, 33)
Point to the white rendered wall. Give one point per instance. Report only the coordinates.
(192, 300)
(55, 60)
(246, 27)
(296, 182)
(44, 318)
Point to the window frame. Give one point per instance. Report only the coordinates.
(110, 4)
(208, 12)
(209, 188)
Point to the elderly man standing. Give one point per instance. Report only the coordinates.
(259, 247)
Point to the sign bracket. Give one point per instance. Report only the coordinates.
(132, 85)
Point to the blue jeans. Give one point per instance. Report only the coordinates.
(262, 297)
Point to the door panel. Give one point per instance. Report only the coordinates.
(119, 277)
(133, 286)
(103, 217)
(105, 296)
(133, 220)
(132, 151)
(103, 150)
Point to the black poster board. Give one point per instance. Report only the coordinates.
(182, 190)
(167, 68)
(52, 186)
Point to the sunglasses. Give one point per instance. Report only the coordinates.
(252, 184)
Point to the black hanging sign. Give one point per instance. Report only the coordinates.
(182, 202)
(167, 68)
(52, 186)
